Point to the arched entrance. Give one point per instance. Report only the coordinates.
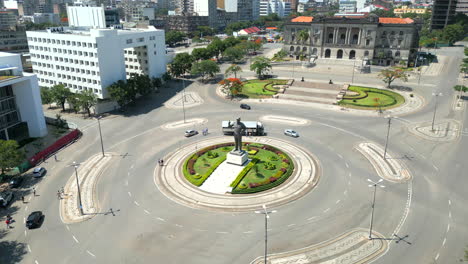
(339, 54)
(327, 53)
(314, 51)
(352, 55)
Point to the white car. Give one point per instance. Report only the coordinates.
(190, 133)
(291, 133)
(39, 172)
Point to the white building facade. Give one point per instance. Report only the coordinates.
(21, 114)
(267, 7)
(86, 16)
(93, 59)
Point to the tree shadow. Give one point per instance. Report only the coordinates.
(401, 88)
(11, 251)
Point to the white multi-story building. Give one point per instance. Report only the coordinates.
(279, 7)
(40, 18)
(348, 7)
(21, 114)
(93, 59)
(86, 16)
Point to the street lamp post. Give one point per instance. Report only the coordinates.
(388, 133)
(100, 134)
(374, 184)
(266, 213)
(435, 108)
(75, 165)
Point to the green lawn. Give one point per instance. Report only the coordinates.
(372, 98)
(203, 163)
(262, 173)
(255, 88)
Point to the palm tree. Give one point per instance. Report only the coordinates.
(303, 35)
(233, 69)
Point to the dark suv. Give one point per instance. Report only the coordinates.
(34, 219)
(245, 106)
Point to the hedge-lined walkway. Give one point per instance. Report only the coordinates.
(172, 183)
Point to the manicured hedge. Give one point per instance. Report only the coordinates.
(244, 172)
(202, 179)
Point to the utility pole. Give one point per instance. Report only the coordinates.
(100, 134)
(374, 184)
(388, 133)
(354, 68)
(75, 165)
(266, 213)
(435, 108)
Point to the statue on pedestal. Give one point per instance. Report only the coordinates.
(239, 129)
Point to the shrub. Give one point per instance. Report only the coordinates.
(278, 174)
(411, 95)
(242, 186)
(273, 158)
(272, 179)
(283, 170)
(286, 161)
(197, 176)
(212, 155)
(252, 152)
(269, 166)
(354, 100)
(244, 171)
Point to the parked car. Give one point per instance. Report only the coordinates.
(291, 133)
(39, 172)
(34, 219)
(5, 198)
(190, 133)
(245, 106)
(16, 182)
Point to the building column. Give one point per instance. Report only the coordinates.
(348, 34)
(359, 37)
(335, 35)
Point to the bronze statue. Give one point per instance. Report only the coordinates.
(239, 129)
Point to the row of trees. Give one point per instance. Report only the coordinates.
(60, 95)
(450, 34)
(126, 92)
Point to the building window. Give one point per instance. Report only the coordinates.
(129, 41)
(141, 39)
(401, 33)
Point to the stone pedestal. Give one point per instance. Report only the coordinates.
(237, 157)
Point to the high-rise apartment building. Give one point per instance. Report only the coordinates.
(443, 13)
(462, 7)
(7, 20)
(21, 114)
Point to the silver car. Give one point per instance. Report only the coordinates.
(291, 133)
(190, 133)
(39, 172)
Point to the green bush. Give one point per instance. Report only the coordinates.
(244, 172)
(198, 180)
(269, 166)
(212, 155)
(274, 158)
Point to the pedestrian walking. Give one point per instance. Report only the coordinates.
(162, 162)
(34, 191)
(55, 157)
(22, 198)
(58, 195)
(7, 222)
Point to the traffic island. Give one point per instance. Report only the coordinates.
(172, 182)
(87, 174)
(444, 130)
(184, 99)
(351, 247)
(388, 166)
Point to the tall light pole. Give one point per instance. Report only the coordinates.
(100, 134)
(435, 108)
(75, 165)
(266, 213)
(388, 133)
(374, 184)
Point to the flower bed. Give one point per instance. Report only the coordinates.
(372, 98)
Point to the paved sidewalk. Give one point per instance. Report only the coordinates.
(222, 177)
(181, 123)
(351, 247)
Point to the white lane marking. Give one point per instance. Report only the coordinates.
(126, 183)
(130, 194)
(146, 211)
(29, 249)
(29, 199)
(25, 233)
(349, 174)
(221, 232)
(35, 261)
(131, 167)
(87, 251)
(24, 220)
(68, 228)
(450, 202)
(448, 227)
(247, 232)
(437, 256)
(200, 230)
(424, 157)
(337, 202)
(26, 208)
(437, 169)
(291, 225)
(136, 203)
(160, 219)
(339, 155)
(326, 210)
(179, 225)
(345, 192)
(445, 240)
(313, 217)
(450, 214)
(347, 166)
(75, 239)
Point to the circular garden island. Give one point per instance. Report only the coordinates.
(371, 98)
(267, 167)
(255, 89)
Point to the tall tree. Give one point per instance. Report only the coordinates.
(260, 66)
(156, 83)
(216, 47)
(390, 75)
(118, 92)
(206, 68)
(173, 37)
(10, 155)
(181, 64)
(201, 54)
(60, 94)
(233, 69)
(453, 33)
(234, 54)
(87, 99)
(46, 96)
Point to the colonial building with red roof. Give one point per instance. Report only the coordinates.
(248, 31)
(381, 40)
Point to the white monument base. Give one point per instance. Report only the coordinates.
(237, 157)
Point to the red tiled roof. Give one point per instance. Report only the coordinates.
(251, 30)
(303, 19)
(271, 28)
(395, 20)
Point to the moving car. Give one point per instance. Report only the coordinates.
(190, 133)
(16, 182)
(39, 172)
(291, 133)
(34, 219)
(245, 106)
(5, 198)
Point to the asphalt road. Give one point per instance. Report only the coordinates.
(147, 227)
